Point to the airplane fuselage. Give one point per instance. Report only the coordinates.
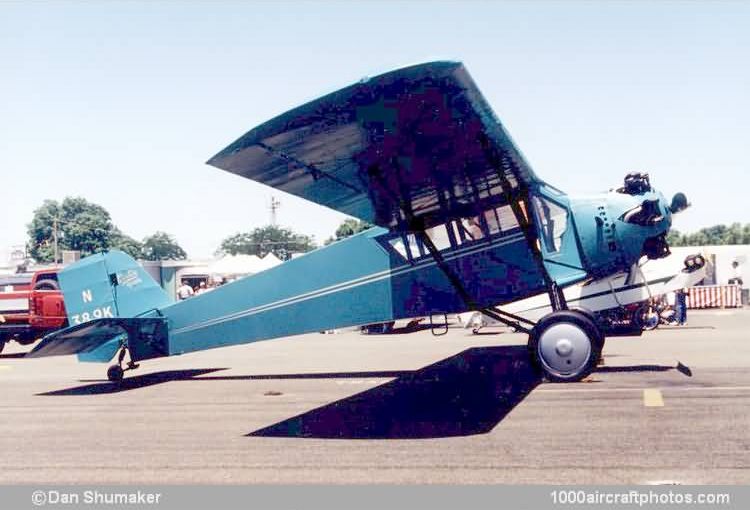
(382, 276)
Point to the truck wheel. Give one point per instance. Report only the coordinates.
(566, 345)
(47, 285)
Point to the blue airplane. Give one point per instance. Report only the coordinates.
(462, 223)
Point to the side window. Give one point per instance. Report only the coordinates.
(468, 230)
(500, 219)
(409, 250)
(439, 237)
(553, 220)
(399, 246)
(47, 277)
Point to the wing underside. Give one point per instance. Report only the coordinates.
(416, 143)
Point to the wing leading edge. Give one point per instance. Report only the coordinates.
(419, 143)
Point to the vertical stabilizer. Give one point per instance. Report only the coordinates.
(108, 285)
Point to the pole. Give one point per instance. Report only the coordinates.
(54, 236)
(275, 204)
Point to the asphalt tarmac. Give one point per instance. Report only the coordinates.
(404, 408)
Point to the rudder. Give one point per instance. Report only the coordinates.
(108, 285)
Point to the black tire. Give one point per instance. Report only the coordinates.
(585, 348)
(380, 328)
(47, 285)
(26, 340)
(115, 373)
(640, 318)
(2, 343)
(590, 315)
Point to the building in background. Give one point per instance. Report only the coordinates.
(11, 258)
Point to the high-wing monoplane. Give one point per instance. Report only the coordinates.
(462, 223)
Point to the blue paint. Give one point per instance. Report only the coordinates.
(417, 149)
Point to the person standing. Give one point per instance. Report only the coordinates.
(184, 291)
(680, 298)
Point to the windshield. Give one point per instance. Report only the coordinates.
(553, 221)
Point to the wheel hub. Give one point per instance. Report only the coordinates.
(564, 349)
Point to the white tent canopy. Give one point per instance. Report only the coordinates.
(269, 261)
(242, 264)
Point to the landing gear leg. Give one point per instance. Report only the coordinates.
(566, 345)
(115, 373)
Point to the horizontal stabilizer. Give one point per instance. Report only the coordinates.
(99, 339)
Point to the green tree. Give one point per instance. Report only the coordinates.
(736, 233)
(162, 246)
(280, 241)
(674, 238)
(348, 228)
(733, 234)
(81, 225)
(124, 242)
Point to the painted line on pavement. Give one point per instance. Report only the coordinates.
(652, 398)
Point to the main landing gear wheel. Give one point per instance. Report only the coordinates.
(566, 345)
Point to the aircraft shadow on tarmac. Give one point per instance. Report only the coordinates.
(13, 355)
(99, 387)
(469, 393)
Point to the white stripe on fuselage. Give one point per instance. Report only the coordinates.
(363, 280)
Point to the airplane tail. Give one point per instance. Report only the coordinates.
(111, 301)
(108, 285)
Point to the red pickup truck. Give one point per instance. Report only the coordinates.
(31, 305)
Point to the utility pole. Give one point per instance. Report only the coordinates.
(54, 237)
(275, 205)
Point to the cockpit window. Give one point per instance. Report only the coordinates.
(553, 221)
(500, 219)
(439, 236)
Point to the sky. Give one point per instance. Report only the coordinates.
(123, 102)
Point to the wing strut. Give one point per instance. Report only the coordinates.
(556, 296)
(417, 226)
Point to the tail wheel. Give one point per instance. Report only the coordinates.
(115, 373)
(566, 345)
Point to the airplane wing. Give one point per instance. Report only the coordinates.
(416, 143)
